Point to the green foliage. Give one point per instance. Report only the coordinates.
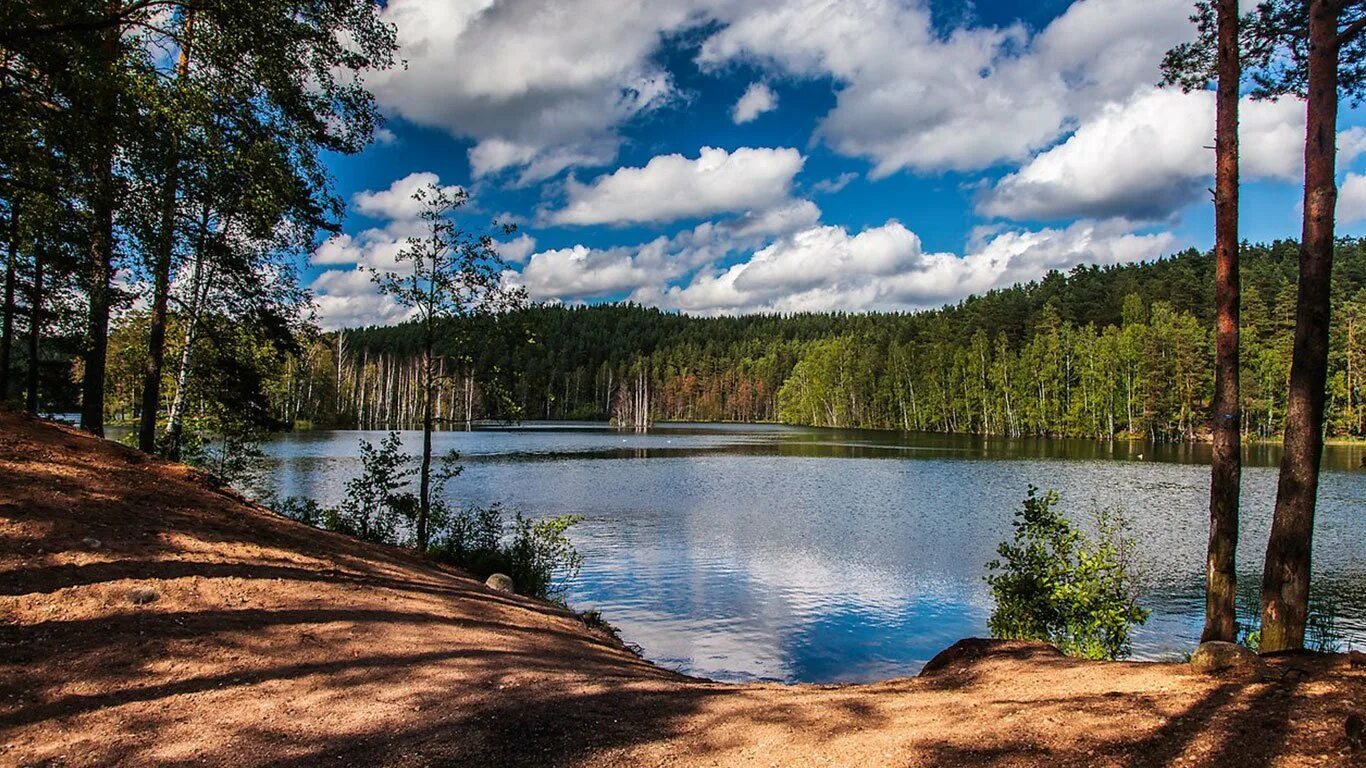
(537, 554)
(1095, 352)
(300, 510)
(1056, 584)
(376, 503)
(229, 450)
(379, 506)
(181, 142)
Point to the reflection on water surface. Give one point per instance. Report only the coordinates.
(756, 551)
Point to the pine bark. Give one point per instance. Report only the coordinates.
(11, 270)
(101, 266)
(35, 330)
(1285, 580)
(1226, 464)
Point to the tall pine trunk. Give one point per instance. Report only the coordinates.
(1285, 580)
(1226, 464)
(11, 270)
(35, 329)
(161, 270)
(101, 267)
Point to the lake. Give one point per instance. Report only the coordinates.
(744, 552)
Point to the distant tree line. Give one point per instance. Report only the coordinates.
(1095, 352)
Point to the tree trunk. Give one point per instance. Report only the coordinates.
(101, 268)
(1226, 464)
(11, 268)
(161, 272)
(175, 419)
(1285, 581)
(425, 479)
(35, 330)
(200, 282)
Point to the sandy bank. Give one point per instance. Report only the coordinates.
(269, 643)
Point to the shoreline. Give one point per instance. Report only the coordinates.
(151, 619)
(1203, 439)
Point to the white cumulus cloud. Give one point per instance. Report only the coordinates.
(885, 268)
(1352, 199)
(397, 202)
(671, 187)
(1147, 157)
(544, 85)
(915, 96)
(757, 99)
(540, 85)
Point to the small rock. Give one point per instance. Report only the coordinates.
(142, 596)
(91, 542)
(500, 582)
(1217, 656)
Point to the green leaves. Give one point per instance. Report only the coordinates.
(1054, 583)
(537, 554)
(377, 501)
(451, 272)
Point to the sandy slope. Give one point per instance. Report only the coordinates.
(273, 644)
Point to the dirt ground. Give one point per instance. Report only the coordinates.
(269, 643)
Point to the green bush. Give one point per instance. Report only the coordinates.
(228, 450)
(536, 554)
(299, 509)
(378, 506)
(377, 502)
(1057, 584)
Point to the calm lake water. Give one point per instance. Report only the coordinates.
(742, 552)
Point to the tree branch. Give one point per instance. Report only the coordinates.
(1352, 30)
(91, 24)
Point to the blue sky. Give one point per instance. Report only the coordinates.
(730, 156)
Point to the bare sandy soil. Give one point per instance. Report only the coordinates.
(269, 643)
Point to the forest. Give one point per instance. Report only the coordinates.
(1118, 351)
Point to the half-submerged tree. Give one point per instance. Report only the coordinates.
(1314, 49)
(1216, 55)
(453, 273)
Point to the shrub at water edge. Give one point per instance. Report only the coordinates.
(1055, 583)
(378, 506)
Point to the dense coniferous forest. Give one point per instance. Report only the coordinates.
(1096, 352)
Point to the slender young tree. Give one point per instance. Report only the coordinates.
(255, 215)
(1217, 54)
(1321, 56)
(452, 273)
(163, 245)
